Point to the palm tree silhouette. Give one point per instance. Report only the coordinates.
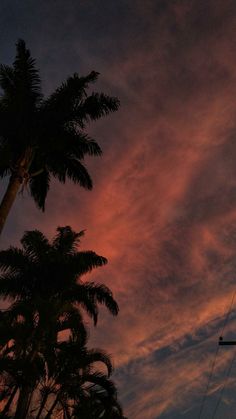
(65, 380)
(74, 376)
(44, 138)
(42, 281)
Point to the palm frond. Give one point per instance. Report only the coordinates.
(77, 172)
(68, 142)
(60, 105)
(71, 91)
(66, 240)
(39, 187)
(73, 320)
(108, 404)
(101, 294)
(84, 145)
(95, 107)
(91, 308)
(78, 296)
(85, 261)
(97, 355)
(15, 285)
(35, 244)
(101, 380)
(26, 75)
(71, 168)
(13, 259)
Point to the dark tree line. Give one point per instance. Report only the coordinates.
(46, 367)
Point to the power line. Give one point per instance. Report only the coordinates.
(224, 385)
(215, 357)
(208, 382)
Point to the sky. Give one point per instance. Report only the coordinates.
(163, 207)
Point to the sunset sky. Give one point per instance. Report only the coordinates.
(163, 208)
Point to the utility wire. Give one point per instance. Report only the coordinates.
(224, 385)
(215, 357)
(208, 383)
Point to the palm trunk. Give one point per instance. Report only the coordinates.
(9, 402)
(26, 393)
(50, 412)
(8, 199)
(23, 402)
(66, 412)
(45, 397)
(16, 180)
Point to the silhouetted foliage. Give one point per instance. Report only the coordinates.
(44, 138)
(45, 365)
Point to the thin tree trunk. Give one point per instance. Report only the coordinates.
(23, 402)
(26, 393)
(17, 178)
(66, 413)
(8, 199)
(49, 414)
(9, 402)
(45, 397)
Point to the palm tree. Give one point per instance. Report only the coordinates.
(52, 270)
(73, 375)
(66, 381)
(43, 281)
(44, 138)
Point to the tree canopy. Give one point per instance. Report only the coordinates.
(44, 138)
(45, 365)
